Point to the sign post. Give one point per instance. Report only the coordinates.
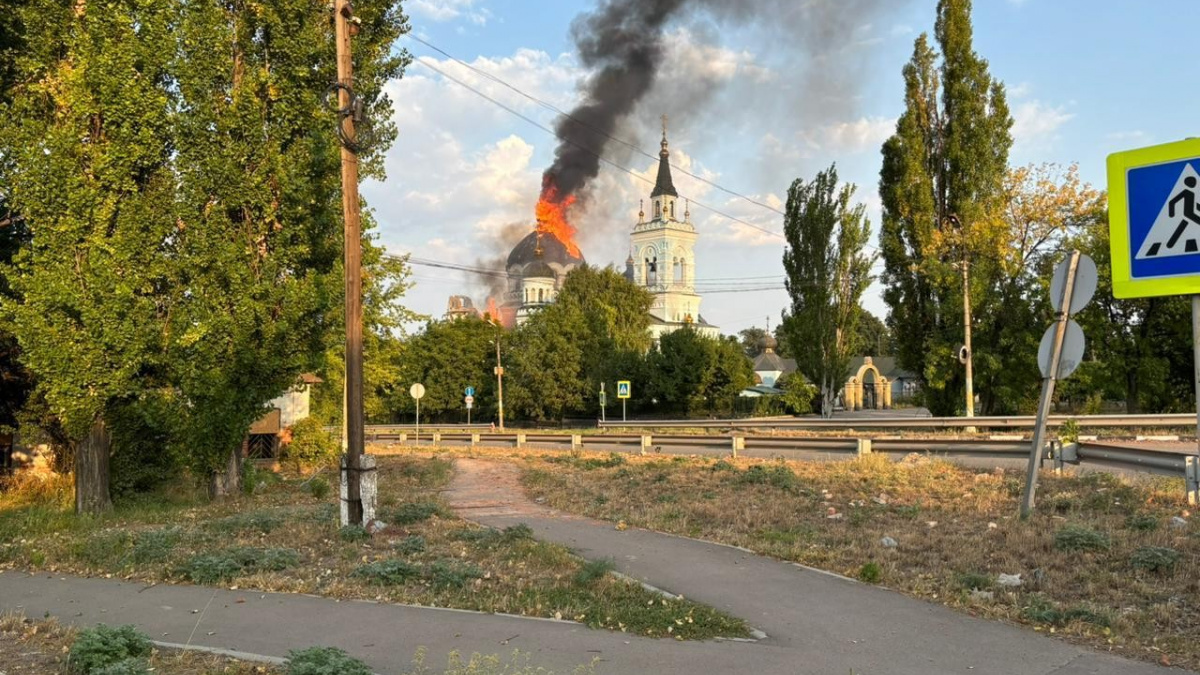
(604, 403)
(623, 394)
(1154, 234)
(469, 399)
(417, 391)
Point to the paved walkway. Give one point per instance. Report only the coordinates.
(817, 624)
(827, 623)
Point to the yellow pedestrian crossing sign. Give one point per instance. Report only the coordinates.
(623, 389)
(1154, 220)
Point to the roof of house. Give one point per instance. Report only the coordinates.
(769, 361)
(886, 366)
(310, 378)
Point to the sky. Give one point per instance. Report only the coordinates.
(754, 103)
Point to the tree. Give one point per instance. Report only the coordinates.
(798, 393)
(86, 143)
(942, 186)
(827, 273)
(446, 357)
(691, 374)
(872, 336)
(751, 340)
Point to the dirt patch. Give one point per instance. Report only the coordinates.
(482, 488)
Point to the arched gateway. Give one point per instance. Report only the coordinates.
(868, 389)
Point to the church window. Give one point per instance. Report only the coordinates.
(652, 271)
(657, 208)
(672, 209)
(677, 271)
(683, 270)
(540, 297)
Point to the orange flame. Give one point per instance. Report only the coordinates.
(492, 312)
(552, 217)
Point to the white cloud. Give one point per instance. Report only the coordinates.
(901, 29)
(866, 133)
(1037, 122)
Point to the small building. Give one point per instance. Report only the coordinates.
(875, 382)
(285, 410)
(459, 306)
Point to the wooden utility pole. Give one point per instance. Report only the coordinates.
(344, 27)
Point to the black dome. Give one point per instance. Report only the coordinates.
(538, 269)
(553, 251)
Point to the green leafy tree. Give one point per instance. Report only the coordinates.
(88, 150)
(798, 393)
(691, 374)
(751, 340)
(872, 336)
(827, 273)
(942, 186)
(545, 366)
(447, 357)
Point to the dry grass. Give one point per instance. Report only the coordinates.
(956, 531)
(40, 648)
(286, 539)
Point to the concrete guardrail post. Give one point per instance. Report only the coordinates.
(646, 441)
(437, 437)
(737, 443)
(474, 439)
(863, 447)
(1191, 471)
(403, 438)
(520, 440)
(576, 441)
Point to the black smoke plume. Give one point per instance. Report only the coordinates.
(622, 43)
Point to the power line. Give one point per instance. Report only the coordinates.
(588, 150)
(576, 120)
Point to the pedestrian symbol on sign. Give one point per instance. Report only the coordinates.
(623, 389)
(1177, 217)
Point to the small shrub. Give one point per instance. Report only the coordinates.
(870, 573)
(612, 461)
(126, 667)
(1069, 431)
(318, 487)
(1143, 522)
(155, 545)
(515, 533)
(324, 661)
(973, 581)
(103, 548)
(1155, 558)
(451, 575)
(593, 571)
(415, 512)
(223, 566)
(211, 569)
(722, 465)
(311, 445)
(353, 533)
(388, 572)
(104, 646)
(255, 521)
(410, 545)
(1041, 610)
(778, 476)
(1079, 538)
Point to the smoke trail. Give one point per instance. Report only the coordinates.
(622, 42)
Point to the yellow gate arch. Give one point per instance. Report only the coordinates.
(855, 388)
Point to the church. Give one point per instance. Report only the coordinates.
(661, 259)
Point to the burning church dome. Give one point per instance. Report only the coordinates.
(537, 267)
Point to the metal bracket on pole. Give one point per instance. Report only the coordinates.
(1191, 472)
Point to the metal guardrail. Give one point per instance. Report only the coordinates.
(1099, 454)
(1016, 422)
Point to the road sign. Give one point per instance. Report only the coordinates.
(417, 391)
(470, 391)
(1072, 350)
(1085, 284)
(468, 400)
(1154, 220)
(623, 389)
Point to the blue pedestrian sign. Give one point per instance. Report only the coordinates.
(623, 389)
(470, 391)
(1154, 220)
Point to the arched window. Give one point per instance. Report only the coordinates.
(541, 298)
(652, 271)
(672, 209)
(677, 271)
(657, 208)
(683, 270)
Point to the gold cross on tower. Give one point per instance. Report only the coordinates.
(664, 120)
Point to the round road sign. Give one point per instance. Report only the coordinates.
(1072, 350)
(417, 391)
(1085, 283)
(468, 399)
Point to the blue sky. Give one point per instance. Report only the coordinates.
(1085, 79)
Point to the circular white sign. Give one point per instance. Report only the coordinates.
(1085, 283)
(469, 399)
(417, 390)
(1072, 350)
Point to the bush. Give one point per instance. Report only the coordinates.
(324, 661)
(318, 487)
(870, 573)
(311, 445)
(1143, 522)
(973, 581)
(592, 571)
(256, 521)
(225, 565)
(1155, 558)
(354, 533)
(104, 646)
(778, 475)
(388, 572)
(155, 545)
(722, 465)
(126, 667)
(407, 514)
(451, 575)
(1041, 610)
(1079, 538)
(410, 545)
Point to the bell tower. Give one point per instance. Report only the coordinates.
(662, 256)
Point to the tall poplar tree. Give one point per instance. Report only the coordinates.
(942, 186)
(827, 273)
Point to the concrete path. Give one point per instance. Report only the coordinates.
(827, 623)
(817, 624)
